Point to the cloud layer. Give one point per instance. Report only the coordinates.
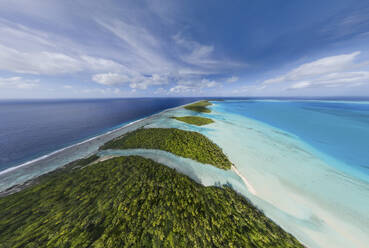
(143, 48)
(334, 71)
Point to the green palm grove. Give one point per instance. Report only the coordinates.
(200, 106)
(132, 202)
(194, 120)
(183, 143)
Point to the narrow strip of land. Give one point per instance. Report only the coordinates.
(194, 120)
(182, 143)
(199, 107)
(244, 179)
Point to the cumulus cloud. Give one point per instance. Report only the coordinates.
(125, 51)
(142, 82)
(135, 81)
(333, 71)
(181, 89)
(110, 78)
(232, 79)
(18, 83)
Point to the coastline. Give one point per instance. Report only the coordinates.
(70, 146)
(244, 179)
(300, 191)
(6, 183)
(313, 208)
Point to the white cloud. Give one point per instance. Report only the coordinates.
(333, 71)
(337, 79)
(193, 85)
(18, 83)
(195, 53)
(20, 36)
(208, 83)
(232, 79)
(111, 78)
(37, 63)
(147, 57)
(142, 82)
(100, 64)
(300, 85)
(181, 89)
(106, 91)
(136, 81)
(125, 49)
(50, 63)
(201, 56)
(142, 50)
(319, 67)
(160, 91)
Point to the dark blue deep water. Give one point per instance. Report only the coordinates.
(32, 128)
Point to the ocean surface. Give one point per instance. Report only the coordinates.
(338, 129)
(296, 156)
(33, 128)
(303, 162)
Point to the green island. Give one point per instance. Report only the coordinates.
(194, 120)
(132, 202)
(183, 143)
(200, 106)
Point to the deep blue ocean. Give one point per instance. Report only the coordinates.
(33, 128)
(339, 129)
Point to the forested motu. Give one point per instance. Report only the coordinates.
(183, 143)
(194, 120)
(199, 107)
(132, 202)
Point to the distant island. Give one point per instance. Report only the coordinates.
(200, 106)
(194, 120)
(131, 201)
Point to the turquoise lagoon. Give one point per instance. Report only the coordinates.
(307, 162)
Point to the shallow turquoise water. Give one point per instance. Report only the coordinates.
(337, 129)
(318, 197)
(300, 182)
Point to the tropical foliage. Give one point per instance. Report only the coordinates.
(199, 107)
(132, 202)
(194, 120)
(183, 143)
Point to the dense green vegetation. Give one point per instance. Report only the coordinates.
(179, 142)
(194, 120)
(199, 107)
(75, 164)
(132, 202)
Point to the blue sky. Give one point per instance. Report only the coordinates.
(88, 49)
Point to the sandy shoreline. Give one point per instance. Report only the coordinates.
(244, 179)
(8, 177)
